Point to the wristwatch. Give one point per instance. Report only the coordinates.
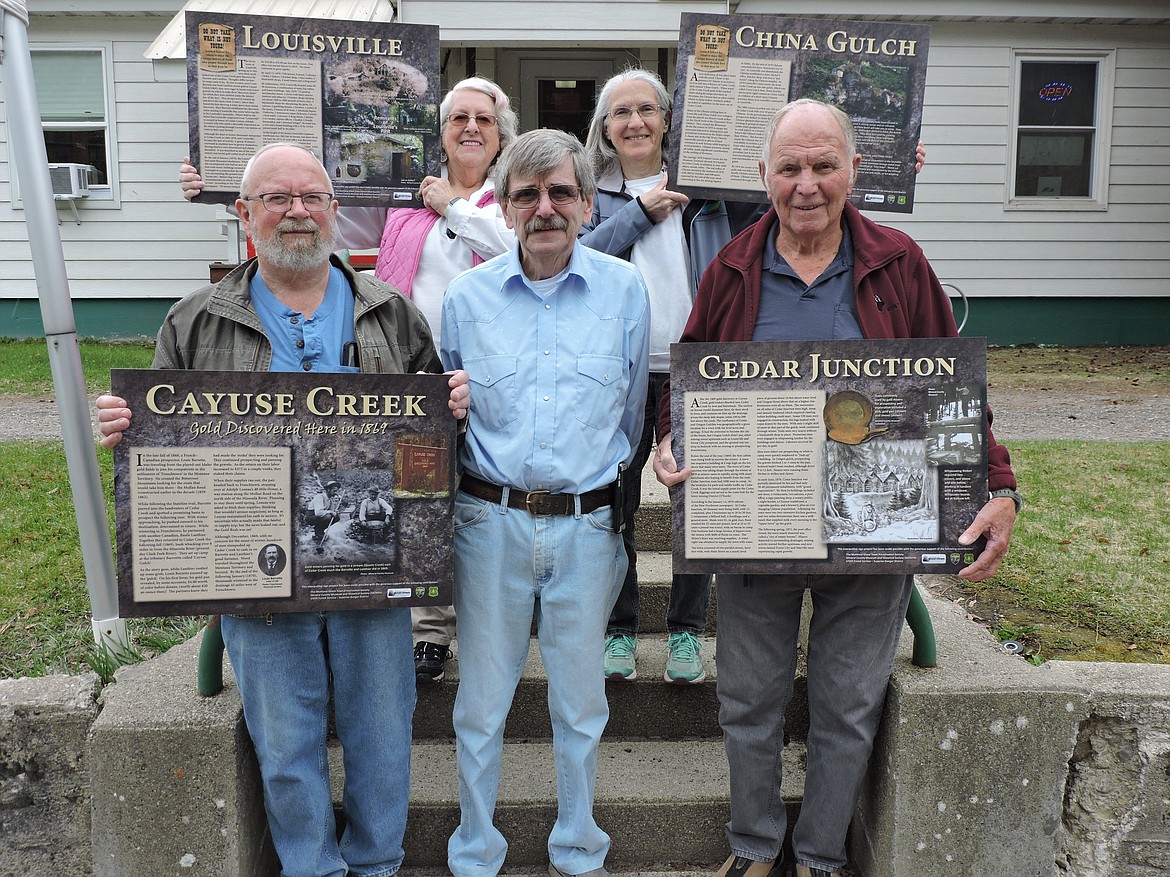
(1013, 495)
(451, 232)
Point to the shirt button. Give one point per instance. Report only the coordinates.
(307, 366)
(546, 353)
(294, 320)
(546, 398)
(548, 307)
(543, 445)
(300, 342)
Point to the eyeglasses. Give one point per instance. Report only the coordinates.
(646, 111)
(530, 195)
(482, 120)
(282, 202)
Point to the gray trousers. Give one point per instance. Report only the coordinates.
(434, 624)
(853, 635)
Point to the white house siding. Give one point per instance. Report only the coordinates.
(959, 214)
(612, 24)
(155, 244)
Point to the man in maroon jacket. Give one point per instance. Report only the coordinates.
(814, 268)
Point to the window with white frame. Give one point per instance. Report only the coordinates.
(1060, 152)
(74, 95)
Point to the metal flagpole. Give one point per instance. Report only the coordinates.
(27, 145)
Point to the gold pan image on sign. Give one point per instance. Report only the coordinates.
(847, 417)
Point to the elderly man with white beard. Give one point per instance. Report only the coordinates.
(297, 308)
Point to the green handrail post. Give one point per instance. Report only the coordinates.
(211, 659)
(925, 653)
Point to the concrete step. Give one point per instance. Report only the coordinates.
(652, 522)
(636, 708)
(654, 575)
(652, 530)
(645, 709)
(663, 802)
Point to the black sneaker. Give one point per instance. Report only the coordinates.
(430, 659)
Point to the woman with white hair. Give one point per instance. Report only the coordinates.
(420, 249)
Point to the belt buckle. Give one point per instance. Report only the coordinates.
(529, 506)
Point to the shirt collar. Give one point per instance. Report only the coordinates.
(577, 266)
(776, 263)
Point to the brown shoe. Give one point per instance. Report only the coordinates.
(738, 866)
(803, 871)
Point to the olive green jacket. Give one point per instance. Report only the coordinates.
(216, 328)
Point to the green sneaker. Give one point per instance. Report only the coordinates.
(683, 666)
(619, 657)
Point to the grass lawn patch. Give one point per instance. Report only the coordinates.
(44, 603)
(25, 370)
(1090, 369)
(1088, 573)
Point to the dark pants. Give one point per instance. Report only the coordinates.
(321, 523)
(689, 594)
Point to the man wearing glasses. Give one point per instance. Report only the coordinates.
(297, 308)
(554, 337)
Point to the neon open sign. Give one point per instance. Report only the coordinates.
(1055, 91)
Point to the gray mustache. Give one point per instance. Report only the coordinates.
(552, 223)
(294, 225)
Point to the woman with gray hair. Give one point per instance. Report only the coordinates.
(635, 217)
(460, 224)
(672, 240)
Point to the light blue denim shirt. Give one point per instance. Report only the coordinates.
(558, 382)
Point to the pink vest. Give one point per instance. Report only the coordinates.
(402, 242)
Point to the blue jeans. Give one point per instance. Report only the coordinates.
(284, 665)
(690, 593)
(509, 565)
(853, 636)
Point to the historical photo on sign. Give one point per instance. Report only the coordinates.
(735, 71)
(269, 492)
(363, 96)
(828, 456)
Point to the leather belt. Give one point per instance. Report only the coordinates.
(537, 502)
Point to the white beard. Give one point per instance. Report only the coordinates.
(299, 257)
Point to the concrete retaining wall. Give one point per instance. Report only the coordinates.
(176, 787)
(44, 775)
(984, 766)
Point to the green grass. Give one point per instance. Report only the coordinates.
(1087, 577)
(1088, 573)
(25, 370)
(44, 603)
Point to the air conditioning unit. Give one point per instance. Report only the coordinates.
(70, 181)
